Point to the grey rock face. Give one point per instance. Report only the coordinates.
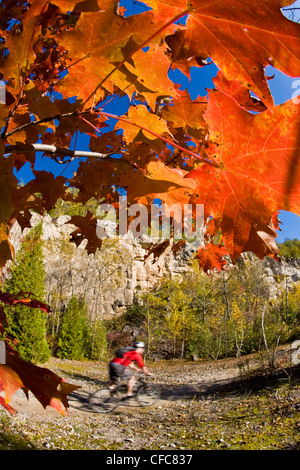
(109, 279)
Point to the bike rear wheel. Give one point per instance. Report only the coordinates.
(104, 401)
(147, 394)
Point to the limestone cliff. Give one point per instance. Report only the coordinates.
(109, 279)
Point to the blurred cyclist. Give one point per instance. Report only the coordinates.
(121, 365)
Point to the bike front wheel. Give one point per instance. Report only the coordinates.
(104, 401)
(148, 394)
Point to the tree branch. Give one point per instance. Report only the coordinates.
(128, 121)
(77, 153)
(47, 119)
(53, 150)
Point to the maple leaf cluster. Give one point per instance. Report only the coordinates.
(63, 62)
(47, 387)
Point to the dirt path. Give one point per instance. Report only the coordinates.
(178, 380)
(197, 410)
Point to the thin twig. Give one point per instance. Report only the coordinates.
(47, 119)
(126, 120)
(114, 116)
(53, 150)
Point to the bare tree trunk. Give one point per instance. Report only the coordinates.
(227, 311)
(271, 354)
(239, 344)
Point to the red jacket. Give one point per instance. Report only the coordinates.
(129, 357)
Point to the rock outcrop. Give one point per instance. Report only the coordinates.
(110, 279)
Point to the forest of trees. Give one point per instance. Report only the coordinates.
(221, 315)
(290, 248)
(90, 102)
(192, 316)
(28, 326)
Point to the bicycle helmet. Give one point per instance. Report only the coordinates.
(139, 344)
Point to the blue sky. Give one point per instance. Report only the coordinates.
(281, 87)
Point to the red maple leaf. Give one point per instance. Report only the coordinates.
(211, 257)
(47, 387)
(258, 174)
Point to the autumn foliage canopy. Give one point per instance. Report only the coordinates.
(63, 62)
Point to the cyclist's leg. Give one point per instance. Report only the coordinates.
(130, 386)
(127, 375)
(113, 376)
(119, 371)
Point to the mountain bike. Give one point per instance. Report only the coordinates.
(105, 400)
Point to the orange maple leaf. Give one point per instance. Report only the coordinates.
(23, 298)
(157, 180)
(258, 174)
(97, 50)
(240, 37)
(211, 257)
(47, 387)
(86, 230)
